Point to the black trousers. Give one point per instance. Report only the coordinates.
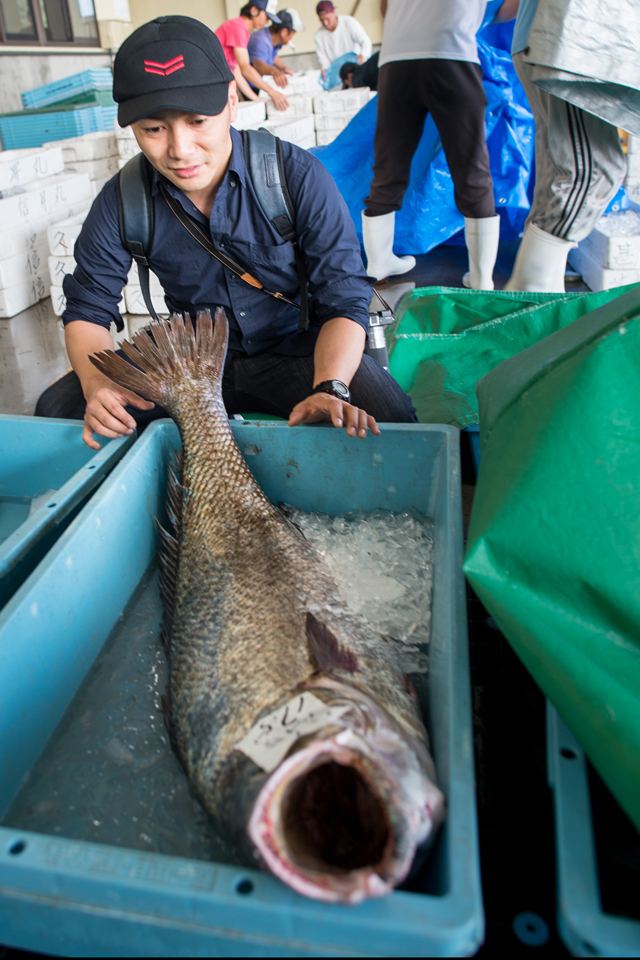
(267, 383)
(452, 92)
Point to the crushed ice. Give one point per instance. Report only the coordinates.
(383, 565)
(626, 223)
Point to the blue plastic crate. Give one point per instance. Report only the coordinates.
(585, 928)
(48, 93)
(77, 898)
(39, 455)
(32, 130)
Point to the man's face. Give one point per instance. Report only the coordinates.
(189, 149)
(259, 18)
(329, 20)
(284, 35)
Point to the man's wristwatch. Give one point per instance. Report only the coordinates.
(334, 387)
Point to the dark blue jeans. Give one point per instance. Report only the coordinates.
(267, 383)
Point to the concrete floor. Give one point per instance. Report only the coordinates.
(32, 352)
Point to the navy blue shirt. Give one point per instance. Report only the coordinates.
(192, 279)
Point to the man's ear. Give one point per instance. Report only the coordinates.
(233, 101)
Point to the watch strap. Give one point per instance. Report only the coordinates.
(332, 387)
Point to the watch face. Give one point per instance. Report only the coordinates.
(340, 389)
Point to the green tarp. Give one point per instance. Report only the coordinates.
(445, 339)
(554, 541)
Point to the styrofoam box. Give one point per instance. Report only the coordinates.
(23, 295)
(62, 236)
(59, 305)
(134, 300)
(337, 101)
(127, 149)
(614, 253)
(102, 169)
(20, 167)
(59, 267)
(89, 146)
(27, 236)
(324, 137)
(249, 112)
(45, 197)
(298, 106)
(99, 184)
(292, 130)
(23, 266)
(299, 83)
(598, 277)
(632, 186)
(332, 121)
(123, 133)
(307, 142)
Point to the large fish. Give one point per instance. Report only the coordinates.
(291, 716)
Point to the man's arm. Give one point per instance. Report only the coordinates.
(243, 85)
(265, 70)
(360, 35)
(508, 11)
(337, 356)
(252, 76)
(105, 413)
(281, 65)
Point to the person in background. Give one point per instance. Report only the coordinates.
(338, 35)
(429, 64)
(365, 75)
(265, 45)
(234, 36)
(580, 166)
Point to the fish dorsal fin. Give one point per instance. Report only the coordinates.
(326, 650)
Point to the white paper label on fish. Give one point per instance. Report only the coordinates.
(269, 740)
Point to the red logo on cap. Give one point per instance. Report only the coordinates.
(164, 69)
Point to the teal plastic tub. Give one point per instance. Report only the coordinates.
(68, 896)
(585, 928)
(46, 472)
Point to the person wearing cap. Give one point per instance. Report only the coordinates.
(363, 75)
(265, 46)
(234, 35)
(338, 35)
(172, 83)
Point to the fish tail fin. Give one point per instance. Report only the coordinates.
(171, 353)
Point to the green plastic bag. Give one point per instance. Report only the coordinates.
(445, 339)
(554, 541)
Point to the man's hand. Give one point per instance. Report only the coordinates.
(360, 59)
(106, 414)
(324, 406)
(280, 78)
(279, 99)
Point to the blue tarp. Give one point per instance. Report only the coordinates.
(429, 216)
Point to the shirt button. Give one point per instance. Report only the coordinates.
(242, 313)
(233, 183)
(232, 276)
(249, 341)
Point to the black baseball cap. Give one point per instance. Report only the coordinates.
(171, 63)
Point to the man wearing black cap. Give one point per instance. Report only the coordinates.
(172, 83)
(265, 46)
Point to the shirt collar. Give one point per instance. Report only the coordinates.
(236, 167)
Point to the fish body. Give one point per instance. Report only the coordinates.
(262, 650)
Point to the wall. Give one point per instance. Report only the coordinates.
(214, 12)
(211, 12)
(20, 72)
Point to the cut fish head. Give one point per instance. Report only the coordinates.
(341, 818)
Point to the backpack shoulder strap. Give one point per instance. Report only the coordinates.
(263, 157)
(135, 219)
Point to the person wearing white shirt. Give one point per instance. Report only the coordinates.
(338, 35)
(429, 64)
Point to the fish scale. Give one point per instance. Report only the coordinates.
(255, 625)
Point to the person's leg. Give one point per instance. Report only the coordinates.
(274, 384)
(454, 94)
(579, 168)
(400, 122)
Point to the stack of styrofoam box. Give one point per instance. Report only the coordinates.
(632, 181)
(251, 114)
(335, 109)
(610, 255)
(298, 130)
(34, 193)
(133, 294)
(127, 145)
(95, 154)
(306, 83)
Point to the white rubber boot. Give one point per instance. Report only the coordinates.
(377, 233)
(541, 262)
(481, 237)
